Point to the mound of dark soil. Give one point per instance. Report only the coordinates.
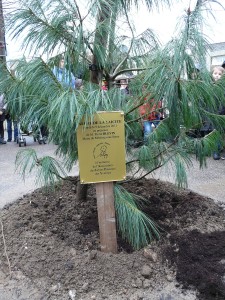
(200, 262)
(50, 248)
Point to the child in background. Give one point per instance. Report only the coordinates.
(217, 73)
(124, 86)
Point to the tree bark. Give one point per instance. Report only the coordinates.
(2, 36)
(101, 41)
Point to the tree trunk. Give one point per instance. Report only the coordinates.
(2, 36)
(100, 44)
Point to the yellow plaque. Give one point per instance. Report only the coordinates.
(101, 148)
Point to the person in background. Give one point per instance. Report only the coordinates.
(65, 77)
(79, 84)
(2, 119)
(217, 73)
(124, 86)
(151, 115)
(104, 85)
(10, 123)
(223, 64)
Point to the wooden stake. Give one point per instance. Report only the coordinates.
(106, 216)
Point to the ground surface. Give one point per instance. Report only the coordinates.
(50, 243)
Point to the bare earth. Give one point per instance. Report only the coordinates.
(49, 248)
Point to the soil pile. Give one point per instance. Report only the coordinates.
(50, 244)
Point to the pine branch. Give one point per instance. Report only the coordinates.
(154, 159)
(113, 77)
(143, 116)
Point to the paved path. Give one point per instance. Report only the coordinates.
(209, 181)
(12, 185)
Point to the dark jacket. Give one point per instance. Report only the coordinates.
(2, 108)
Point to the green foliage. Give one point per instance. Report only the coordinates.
(26, 160)
(93, 36)
(134, 225)
(48, 170)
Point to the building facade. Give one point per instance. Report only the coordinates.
(216, 55)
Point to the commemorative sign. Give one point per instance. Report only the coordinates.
(101, 148)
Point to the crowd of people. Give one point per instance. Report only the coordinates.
(151, 112)
(65, 77)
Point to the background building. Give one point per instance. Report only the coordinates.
(216, 55)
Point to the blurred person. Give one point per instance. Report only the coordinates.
(104, 85)
(2, 119)
(223, 64)
(11, 123)
(63, 75)
(124, 86)
(79, 84)
(217, 73)
(150, 114)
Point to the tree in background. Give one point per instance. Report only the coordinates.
(92, 40)
(2, 35)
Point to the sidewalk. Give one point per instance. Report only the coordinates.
(12, 185)
(209, 181)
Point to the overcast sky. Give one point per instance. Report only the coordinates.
(163, 23)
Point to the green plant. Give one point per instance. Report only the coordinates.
(93, 43)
